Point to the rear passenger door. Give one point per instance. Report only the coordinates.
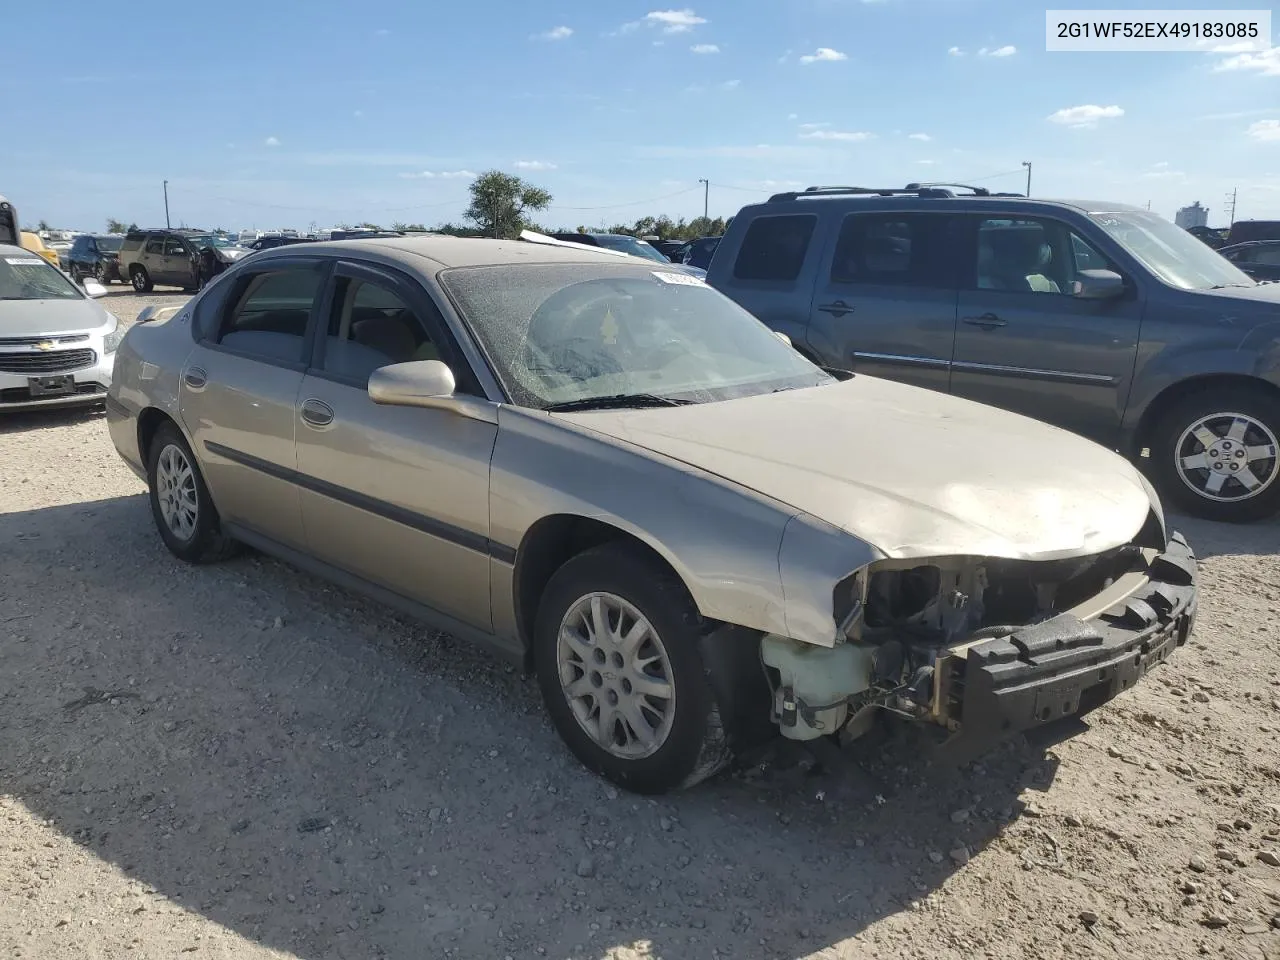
(1025, 343)
(152, 257)
(397, 496)
(885, 302)
(239, 391)
(177, 263)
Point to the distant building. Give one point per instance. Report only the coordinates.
(1192, 216)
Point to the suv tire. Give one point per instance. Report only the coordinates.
(685, 740)
(140, 279)
(1214, 454)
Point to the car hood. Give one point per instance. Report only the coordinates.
(912, 472)
(1268, 293)
(32, 318)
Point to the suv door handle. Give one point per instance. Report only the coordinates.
(316, 413)
(837, 309)
(195, 377)
(988, 321)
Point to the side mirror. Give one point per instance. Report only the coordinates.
(418, 383)
(92, 288)
(784, 338)
(1098, 285)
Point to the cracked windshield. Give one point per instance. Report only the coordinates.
(721, 480)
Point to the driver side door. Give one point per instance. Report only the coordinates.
(396, 496)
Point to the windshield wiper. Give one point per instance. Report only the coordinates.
(615, 402)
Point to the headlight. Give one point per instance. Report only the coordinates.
(114, 335)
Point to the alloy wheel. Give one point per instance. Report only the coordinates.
(176, 492)
(1227, 457)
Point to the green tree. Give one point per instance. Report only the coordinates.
(42, 226)
(499, 202)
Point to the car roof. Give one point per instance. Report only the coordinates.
(961, 203)
(448, 251)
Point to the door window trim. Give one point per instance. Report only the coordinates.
(231, 300)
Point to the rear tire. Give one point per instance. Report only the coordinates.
(658, 741)
(184, 513)
(140, 279)
(1214, 454)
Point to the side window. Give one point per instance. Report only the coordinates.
(892, 248)
(173, 247)
(1033, 256)
(774, 248)
(1267, 256)
(371, 326)
(269, 316)
(1086, 257)
(155, 245)
(81, 246)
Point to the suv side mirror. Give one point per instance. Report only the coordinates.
(418, 383)
(92, 288)
(1098, 285)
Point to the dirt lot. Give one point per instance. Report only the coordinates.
(241, 762)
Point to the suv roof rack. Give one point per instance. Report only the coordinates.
(926, 190)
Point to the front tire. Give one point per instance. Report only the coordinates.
(184, 513)
(1214, 454)
(140, 279)
(616, 653)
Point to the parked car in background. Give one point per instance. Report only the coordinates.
(1243, 231)
(97, 256)
(1260, 259)
(1098, 317)
(671, 249)
(1211, 236)
(32, 242)
(270, 242)
(183, 258)
(57, 346)
(699, 252)
(622, 242)
(612, 474)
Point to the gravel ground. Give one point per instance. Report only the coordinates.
(240, 761)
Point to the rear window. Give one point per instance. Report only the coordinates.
(892, 248)
(774, 248)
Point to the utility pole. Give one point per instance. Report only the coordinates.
(166, 204)
(1232, 205)
(706, 198)
(1027, 164)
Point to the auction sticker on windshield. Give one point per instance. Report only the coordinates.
(24, 261)
(683, 279)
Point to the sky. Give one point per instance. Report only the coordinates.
(291, 114)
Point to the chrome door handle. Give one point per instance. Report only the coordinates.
(316, 413)
(195, 377)
(837, 309)
(988, 321)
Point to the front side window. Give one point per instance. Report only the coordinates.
(774, 248)
(29, 277)
(1033, 256)
(1172, 254)
(269, 316)
(892, 249)
(371, 326)
(173, 247)
(155, 245)
(1268, 256)
(570, 333)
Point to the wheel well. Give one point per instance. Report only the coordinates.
(548, 545)
(149, 421)
(1185, 388)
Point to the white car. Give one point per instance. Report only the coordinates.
(57, 346)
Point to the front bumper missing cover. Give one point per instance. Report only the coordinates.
(1074, 662)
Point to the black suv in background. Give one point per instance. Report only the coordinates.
(1260, 259)
(96, 256)
(1099, 317)
(182, 258)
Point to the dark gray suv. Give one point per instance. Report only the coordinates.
(1101, 318)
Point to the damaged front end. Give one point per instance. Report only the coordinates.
(984, 647)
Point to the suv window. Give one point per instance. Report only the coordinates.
(774, 247)
(80, 246)
(892, 248)
(1268, 255)
(269, 317)
(1032, 256)
(155, 245)
(173, 247)
(369, 327)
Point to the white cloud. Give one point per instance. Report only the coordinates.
(1086, 115)
(955, 51)
(705, 48)
(785, 57)
(813, 126)
(555, 33)
(671, 21)
(1006, 51)
(442, 175)
(793, 116)
(730, 84)
(1266, 63)
(533, 165)
(823, 55)
(271, 142)
(1265, 130)
(924, 137)
(852, 136)
(926, 163)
